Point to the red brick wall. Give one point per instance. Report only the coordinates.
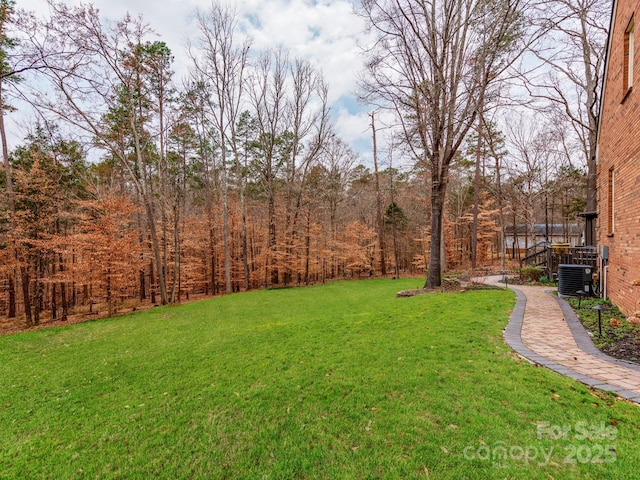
(619, 149)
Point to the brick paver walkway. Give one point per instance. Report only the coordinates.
(546, 331)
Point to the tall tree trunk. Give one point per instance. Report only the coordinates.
(435, 249)
(476, 197)
(37, 289)
(546, 215)
(163, 189)
(394, 228)
(142, 271)
(151, 222)
(54, 294)
(7, 164)
(307, 248)
(11, 313)
(212, 257)
(176, 248)
(108, 291)
(162, 285)
(273, 261)
(64, 304)
(379, 220)
(500, 213)
(152, 287)
(245, 255)
(24, 275)
(225, 234)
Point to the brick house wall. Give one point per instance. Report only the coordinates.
(618, 160)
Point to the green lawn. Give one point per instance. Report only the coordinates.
(339, 381)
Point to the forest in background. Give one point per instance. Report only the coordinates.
(133, 188)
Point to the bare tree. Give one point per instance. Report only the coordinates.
(568, 80)
(290, 104)
(268, 98)
(338, 161)
(15, 27)
(379, 221)
(496, 152)
(308, 128)
(433, 62)
(536, 160)
(220, 64)
(7, 71)
(94, 70)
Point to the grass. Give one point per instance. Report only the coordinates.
(340, 381)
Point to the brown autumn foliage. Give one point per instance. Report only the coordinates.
(184, 200)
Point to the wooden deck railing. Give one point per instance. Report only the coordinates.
(550, 257)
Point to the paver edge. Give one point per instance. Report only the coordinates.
(512, 335)
(584, 340)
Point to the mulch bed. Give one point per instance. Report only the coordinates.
(625, 349)
(449, 285)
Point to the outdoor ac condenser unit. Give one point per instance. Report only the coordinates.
(575, 278)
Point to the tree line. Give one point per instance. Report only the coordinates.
(135, 188)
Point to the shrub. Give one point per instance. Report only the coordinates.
(532, 274)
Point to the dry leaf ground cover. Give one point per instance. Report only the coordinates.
(340, 381)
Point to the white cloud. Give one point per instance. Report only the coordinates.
(325, 32)
(354, 126)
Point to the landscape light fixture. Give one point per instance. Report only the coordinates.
(599, 309)
(580, 294)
